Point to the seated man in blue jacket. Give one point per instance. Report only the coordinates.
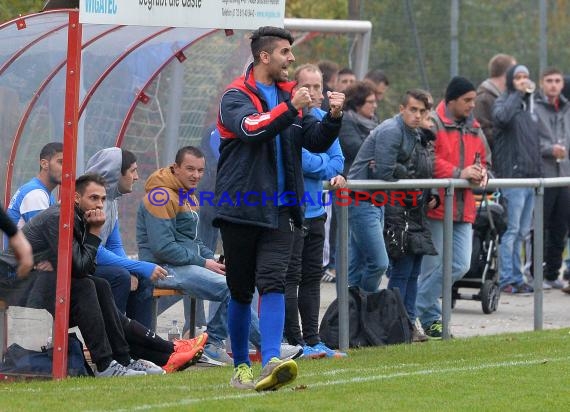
(303, 280)
(131, 280)
(167, 234)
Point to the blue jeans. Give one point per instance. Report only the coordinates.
(430, 282)
(204, 284)
(403, 274)
(520, 204)
(137, 304)
(367, 256)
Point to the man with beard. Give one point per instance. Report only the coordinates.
(92, 308)
(460, 152)
(263, 130)
(109, 335)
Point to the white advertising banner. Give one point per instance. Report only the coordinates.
(208, 14)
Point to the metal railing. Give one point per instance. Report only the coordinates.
(449, 185)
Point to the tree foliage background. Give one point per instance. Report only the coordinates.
(12, 8)
(411, 38)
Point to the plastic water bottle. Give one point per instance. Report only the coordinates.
(174, 331)
(48, 345)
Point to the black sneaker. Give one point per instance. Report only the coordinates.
(435, 330)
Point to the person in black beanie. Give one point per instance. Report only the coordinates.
(461, 152)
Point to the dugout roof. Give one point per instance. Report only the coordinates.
(150, 90)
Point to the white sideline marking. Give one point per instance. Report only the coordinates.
(351, 380)
(440, 371)
(338, 371)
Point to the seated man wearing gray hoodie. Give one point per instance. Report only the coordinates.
(119, 169)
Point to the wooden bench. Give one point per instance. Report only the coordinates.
(155, 296)
(158, 293)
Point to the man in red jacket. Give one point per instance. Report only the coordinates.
(460, 152)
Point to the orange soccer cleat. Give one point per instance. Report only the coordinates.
(186, 353)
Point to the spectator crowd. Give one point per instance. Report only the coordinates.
(260, 265)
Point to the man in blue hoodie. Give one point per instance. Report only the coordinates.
(303, 281)
(131, 280)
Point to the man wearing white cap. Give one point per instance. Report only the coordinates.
(517, 155)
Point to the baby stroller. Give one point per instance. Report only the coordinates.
(490, 224)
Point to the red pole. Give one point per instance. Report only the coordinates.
(61, 320)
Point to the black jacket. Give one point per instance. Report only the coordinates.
(556, 120)
(409, 155)
(248, 152)
(43, 234)
(516, 152)
(353, 132)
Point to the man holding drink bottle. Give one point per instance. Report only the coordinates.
(517, 155)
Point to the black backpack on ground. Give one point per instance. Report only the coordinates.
(375, 319)
(19, 360)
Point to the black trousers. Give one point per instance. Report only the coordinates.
(92, 309)
(257, 256)
(137, 304)
(556, 216)
(303, 283)
(144, 343)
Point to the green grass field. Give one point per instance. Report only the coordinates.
(527, 371)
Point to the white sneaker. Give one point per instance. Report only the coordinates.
(546, 286)
(145, 366)
(556, 284)
(290, 351)
(116, 369)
